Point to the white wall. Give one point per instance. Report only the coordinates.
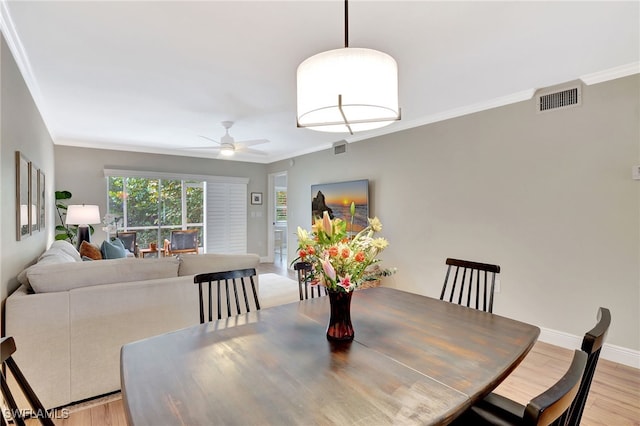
(549, 197)
(21, 129)
(81, 171)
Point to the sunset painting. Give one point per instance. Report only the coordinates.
(336, 198)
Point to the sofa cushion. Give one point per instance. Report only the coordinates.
(113, 249)
(191, 264)
(65, 247)
(89, 250)
(59, 252)
(63, 277)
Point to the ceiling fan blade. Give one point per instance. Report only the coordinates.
(209, 139)
(252, 142)
(201, 147)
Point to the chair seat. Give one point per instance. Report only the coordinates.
(493, 410)
(543, 410)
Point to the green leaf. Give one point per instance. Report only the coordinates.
(63, 195)
(61, 237)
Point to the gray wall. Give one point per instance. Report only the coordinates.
(548, 196)
(21, 129)
(81, 171)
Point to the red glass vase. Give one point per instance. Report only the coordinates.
(340, 328)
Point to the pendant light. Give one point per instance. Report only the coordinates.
(348, 89)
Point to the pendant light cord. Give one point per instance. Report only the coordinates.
(346, 23)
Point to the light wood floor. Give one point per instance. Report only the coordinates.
(614, 399)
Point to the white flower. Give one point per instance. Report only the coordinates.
(375, 224)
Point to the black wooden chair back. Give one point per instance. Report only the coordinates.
(543, 410)
(469, 284)
(129, 240)
(233, 288)
(37, 410)
(304, 282)
(592, 345)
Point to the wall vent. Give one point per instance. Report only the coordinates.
(562, 98)
(339, 148)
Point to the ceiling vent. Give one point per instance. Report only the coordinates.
(339, 148)
(559, 98)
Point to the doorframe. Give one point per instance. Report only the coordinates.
(271, 208)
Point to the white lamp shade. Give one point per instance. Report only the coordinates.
(365, 79)
(82, 214)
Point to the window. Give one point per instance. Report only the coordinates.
(153, 207)
(281, 205)
(153, 203)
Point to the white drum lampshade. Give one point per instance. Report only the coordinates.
(82, 215)
(348, 90)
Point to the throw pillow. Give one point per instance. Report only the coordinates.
(113, 249)
(90, 250)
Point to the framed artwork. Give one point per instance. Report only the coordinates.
(23, 229)
(256, 198)
(336, 198)
(34, 198)
(41, 200)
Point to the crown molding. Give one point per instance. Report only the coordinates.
(611, 73)
(22, 60)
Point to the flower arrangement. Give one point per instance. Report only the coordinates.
(339, 261)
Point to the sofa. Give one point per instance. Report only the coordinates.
(70, 317)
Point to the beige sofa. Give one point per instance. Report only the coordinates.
(71, 317)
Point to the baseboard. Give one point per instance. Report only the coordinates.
(609, 352)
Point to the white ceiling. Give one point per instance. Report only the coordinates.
(152, 76)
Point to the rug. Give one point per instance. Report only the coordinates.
(277, 290)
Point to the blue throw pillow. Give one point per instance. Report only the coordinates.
(113, 249)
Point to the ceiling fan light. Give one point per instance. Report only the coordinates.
(347, 90)
(227, 150)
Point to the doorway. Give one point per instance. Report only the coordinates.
(278, 235)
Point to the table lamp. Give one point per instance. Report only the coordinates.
(83, 215)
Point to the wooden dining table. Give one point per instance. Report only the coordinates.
(414, 360)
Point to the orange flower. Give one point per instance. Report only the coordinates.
(333, 251)
(302, 254)
(345, 253)
(359, 257)
(311, 250)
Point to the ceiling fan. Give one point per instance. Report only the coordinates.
(228, 146)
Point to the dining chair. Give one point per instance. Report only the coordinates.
(470, 285)
(7, 349)
(545, 409)
(129, 240)
(183, 241)
(591, 344)
(229, 281)
(305, 288)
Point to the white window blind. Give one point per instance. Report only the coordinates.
(226, 218)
